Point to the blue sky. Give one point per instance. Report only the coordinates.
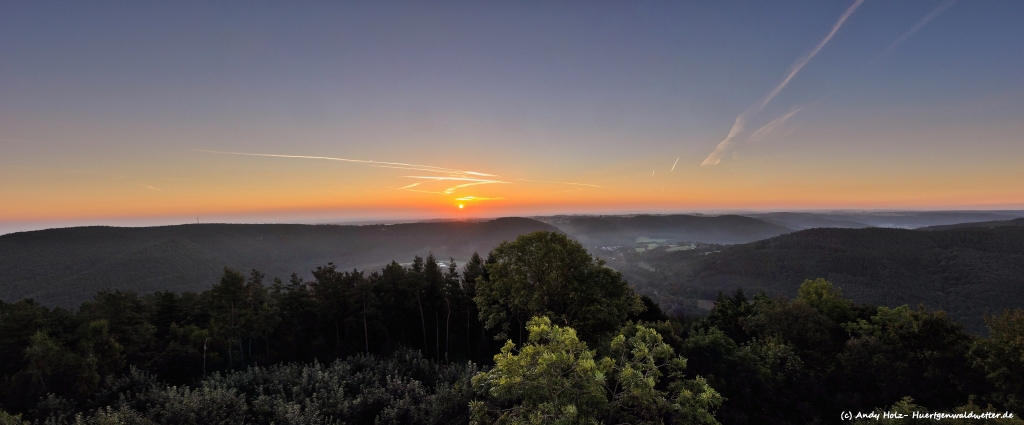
(604, 93)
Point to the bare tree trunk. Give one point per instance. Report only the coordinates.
(469, 328)
(447, 332)
(423, 320)
(520, 321)
(366, 333)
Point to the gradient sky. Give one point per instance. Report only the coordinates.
(113, 112)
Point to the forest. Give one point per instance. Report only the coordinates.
(535, 331)
(966, 271)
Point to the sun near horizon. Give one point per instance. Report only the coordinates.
(132, 114)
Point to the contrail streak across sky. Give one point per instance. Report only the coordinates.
(924, 21)
(470, 178)
(763, 132)
(741, 121)
(379, 164)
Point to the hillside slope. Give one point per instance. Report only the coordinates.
(67, 266)
(997, 223)
(596, 231)
(968, 272)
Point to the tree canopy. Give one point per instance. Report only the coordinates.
(548, 274)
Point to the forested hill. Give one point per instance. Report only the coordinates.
(967, 272)
(597, 231)
(997, 223)
(67, 266)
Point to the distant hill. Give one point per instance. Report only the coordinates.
(67, 266)
(966, 271)
(890, 219)
(997, 223)
(598, 231)
(801, 221)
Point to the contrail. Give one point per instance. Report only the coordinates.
(379, 164)
(762, 132)
(556, 182)
(450, 190)
(674, 165)
(927, 18)
(470, 178)
(453, 178)
(741, 121)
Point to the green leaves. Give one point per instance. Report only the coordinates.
(555, 378)
(1001, 356)
(548, 274)
(551, 379)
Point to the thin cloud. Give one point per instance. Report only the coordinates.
(371, 163)
(762, 133)
(466, 178)
(450, 190)
(741, 121)
(557, 182)
(674, 165)
(924, 21)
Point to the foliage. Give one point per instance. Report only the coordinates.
(639, 395)
(1001, 356)
(548, 274)
(330, 350)
(554, 378)
(966, 272)
(902, 412)
(400, 389)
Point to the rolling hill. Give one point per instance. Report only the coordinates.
(602, 231)
(997, 223)
(968, 271)
(67, 266)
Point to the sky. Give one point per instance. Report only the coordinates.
(141, 113)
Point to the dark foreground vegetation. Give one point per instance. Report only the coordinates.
(539, 332)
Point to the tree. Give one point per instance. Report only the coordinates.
(363, 303)
(827, 299)
(555, 378)
(552, 379)
(1001, 356)
(228, 303)
(639, 362)
(548, 274)
(330, 292)
(472, 271)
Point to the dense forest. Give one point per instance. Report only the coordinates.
(966, 271)
(65, 267)
(535, 331)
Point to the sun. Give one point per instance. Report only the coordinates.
(461, 206)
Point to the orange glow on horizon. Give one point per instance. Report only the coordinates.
(287, 189)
